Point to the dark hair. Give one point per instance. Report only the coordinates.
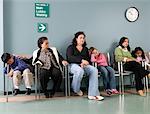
(41, 40)
(91, 49)
(138, 49)
(5, 57)
(74, 41)
(121, 42)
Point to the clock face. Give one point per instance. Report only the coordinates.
(132, 14)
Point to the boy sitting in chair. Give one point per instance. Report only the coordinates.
(18, 69)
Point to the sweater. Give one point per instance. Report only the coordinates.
(100, 59)
(122, 54)
(57, 57)
(18, 64)
(75, 56)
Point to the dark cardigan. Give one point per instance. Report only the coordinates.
(75, 56)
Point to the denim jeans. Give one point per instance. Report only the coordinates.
(78, 73)
(108, 74)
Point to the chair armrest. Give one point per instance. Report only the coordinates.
(38, 63)
(94, 64)
(147, 64)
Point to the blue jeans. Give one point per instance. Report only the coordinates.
(78, 73)
(108, 74)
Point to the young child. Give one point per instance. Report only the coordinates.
(18, 69)
(108, 73)
(139, 55)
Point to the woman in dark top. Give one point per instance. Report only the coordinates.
(78, 57)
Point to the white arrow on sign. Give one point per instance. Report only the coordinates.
(42, 27)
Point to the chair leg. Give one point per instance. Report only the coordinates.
(7, 82)
(121, 78)
(65, 81)
(146, 83)
(36, 81)
(68, 80)
(12, 87)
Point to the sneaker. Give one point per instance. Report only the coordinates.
(99, 98)
(114, 91)
(91, 97)
(108, 91)
(28, 92)
(80, 93)
(16, 91)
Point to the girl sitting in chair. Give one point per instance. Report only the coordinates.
(139, 55)
(108, 72)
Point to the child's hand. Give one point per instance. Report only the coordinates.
(10, 74)
(138, 61)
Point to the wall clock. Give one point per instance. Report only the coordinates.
(132, 14)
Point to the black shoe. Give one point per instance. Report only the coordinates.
(52, 94)
(16, 91)
(28, 92)
(46, 95)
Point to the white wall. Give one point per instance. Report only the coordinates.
(1, 43)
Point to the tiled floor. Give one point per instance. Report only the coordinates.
(117, 104)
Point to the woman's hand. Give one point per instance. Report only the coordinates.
(128, 59)
(85, 62)
(82, 65)
(65, 63)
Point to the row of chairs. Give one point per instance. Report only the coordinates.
(120, 73)
(8, 81)
(67, 76)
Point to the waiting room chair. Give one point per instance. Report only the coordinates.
(120, 73)
(7, 82)
(37, 80)
(69, 76)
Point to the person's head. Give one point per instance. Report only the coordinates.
(79, 39)
(43, 43)
(124, 43)
(93, 50)
(7, 58)
(138, 52)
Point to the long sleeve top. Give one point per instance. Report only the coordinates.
(75, 56)
(122, 54)
(57, 57)
(139, 59)
(18, 64)
(100, 59)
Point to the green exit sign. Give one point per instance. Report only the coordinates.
(42, 27)
(42, 10)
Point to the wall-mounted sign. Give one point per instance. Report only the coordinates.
(42, 10)
(42, 27)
